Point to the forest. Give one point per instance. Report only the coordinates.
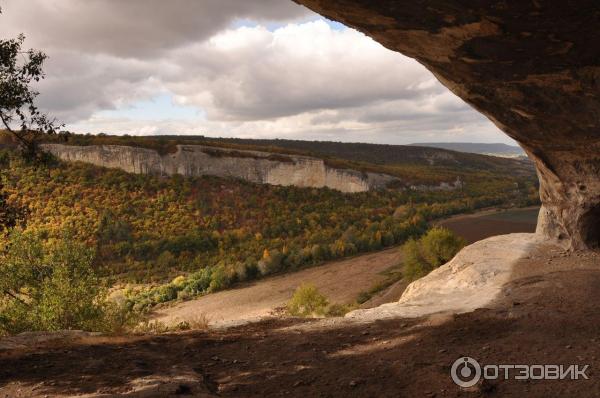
(176, 238)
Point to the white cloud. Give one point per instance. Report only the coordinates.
(252, 73)
(303, 79)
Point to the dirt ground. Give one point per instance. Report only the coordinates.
(481, 225)
(260, 299)
(539, 319)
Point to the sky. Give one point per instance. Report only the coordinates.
(232, 68)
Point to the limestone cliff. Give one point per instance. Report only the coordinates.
(254, 166)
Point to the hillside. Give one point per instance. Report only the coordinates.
(497, 149)
(255, 301)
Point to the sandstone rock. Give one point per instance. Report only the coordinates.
(530, 66)
(471, 280)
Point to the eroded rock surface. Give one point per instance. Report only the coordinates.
(471, 280)
(532, 67)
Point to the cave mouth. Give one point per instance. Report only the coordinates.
(591, 228)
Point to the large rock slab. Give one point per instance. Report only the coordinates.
(473, 279)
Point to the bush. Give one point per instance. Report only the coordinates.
(219, 279)
(440, 245)
(307, 301)
(436, 247)
(339, 309)
(165, 260)
(415, 266)
(47, 287)
(271, 262)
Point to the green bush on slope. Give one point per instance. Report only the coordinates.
(307, 301)
(435, 248)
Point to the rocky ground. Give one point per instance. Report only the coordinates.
(540, 318)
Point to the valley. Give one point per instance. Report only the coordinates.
(218, 199)
(341, 281)
(167, 237)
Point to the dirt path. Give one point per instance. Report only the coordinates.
(341, 281)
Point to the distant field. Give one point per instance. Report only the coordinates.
(479, 226)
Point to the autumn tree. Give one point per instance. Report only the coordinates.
(19, 70)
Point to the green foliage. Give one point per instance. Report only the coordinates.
(306, 302)
(336, 309)
(415, 265)
(220, 279)
(440, 245)
(111, 229)
(52, 286)
(10, 216)
(271, 262)
(435, 248)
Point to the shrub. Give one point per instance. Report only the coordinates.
(436, 247)
(307, 301)
(53, 287)
(112, 229)
(440, 245)
(165, 260)
(415, 266)
(199, 281)
(271, 262)
(219, 279)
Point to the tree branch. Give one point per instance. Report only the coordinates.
(9, 293)
(15, 134)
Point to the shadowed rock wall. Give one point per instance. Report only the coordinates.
(532, 67)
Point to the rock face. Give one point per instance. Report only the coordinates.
(532, 67)
(472, 279)
(254, 166)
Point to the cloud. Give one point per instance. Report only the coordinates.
(253, 73)
(251, 68)
(135, 28)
